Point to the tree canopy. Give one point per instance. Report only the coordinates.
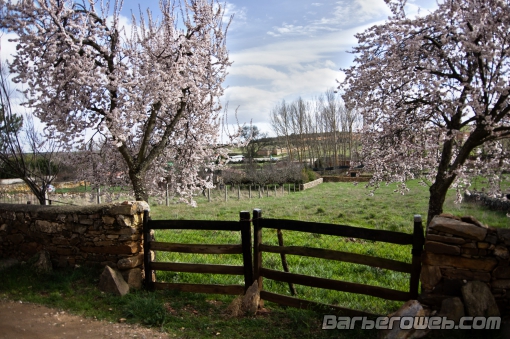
(434, 94)
(151, 90)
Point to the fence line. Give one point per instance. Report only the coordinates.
(243, 226)
(256, 271)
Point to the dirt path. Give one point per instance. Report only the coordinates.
(30, 321)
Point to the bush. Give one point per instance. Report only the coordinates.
(308, 175)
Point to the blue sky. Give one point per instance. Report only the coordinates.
(284, 49)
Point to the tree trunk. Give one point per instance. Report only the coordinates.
(437, 197)
(138, 181)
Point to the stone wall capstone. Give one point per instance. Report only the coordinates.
(98, 234)
(459, 250)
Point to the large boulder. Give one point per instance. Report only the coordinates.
(453, 309)
(479, 300)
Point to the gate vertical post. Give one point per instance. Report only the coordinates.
(149, 284)
(244, 219)
(257, 254)
(418, 242)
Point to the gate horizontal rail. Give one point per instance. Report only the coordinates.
(254, 270)
(416, 240)
(243, 226)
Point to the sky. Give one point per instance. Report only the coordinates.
(285, 49)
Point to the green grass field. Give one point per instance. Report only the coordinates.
(190, 315)
(336, 203)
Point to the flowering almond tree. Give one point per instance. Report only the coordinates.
(151, 91)
(434, 94)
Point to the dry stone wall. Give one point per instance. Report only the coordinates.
(459, 250)
(310, 184)
(99, 234)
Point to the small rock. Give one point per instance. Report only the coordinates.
(251, 299)
(41, 262)
(111, 281)
(412, 308)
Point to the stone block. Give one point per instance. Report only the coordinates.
(442, 260)
(491, 238)
(130, 262)
(430, 276)
(60, 241)
(133, 277)
(504, 235)
(64, 251)
(479, 300)
(469, 251)
(501, 252)
(448, 240)
(111, 281)
(501, 284)
(15, 239)
(458, 228)
(483, 245)
(47, 226)
(108, 220)
(452, 308)
(412, 309)
(251, 299)
(453, 273)
(118, 249)
(501, 272)
(440, 248)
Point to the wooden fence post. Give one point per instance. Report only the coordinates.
(257, 254)
(249, 194)
(149, 284)
(226, 193)
(166, 195)
(239, 192)
(260, 193)
(275, 191)
(418, 241)
(267, 191)
(244, 219)
(209, 195)
(98, 197)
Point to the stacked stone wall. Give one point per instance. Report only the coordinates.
(346, 178)
(310, 184)
(495, 204)
(97, 234)
(458, 250)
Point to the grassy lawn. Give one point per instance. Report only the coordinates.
(337, 203)
(188, 315)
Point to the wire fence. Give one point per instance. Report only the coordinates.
(67, 198)
(117, 194)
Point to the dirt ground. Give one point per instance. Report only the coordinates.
(30, 321)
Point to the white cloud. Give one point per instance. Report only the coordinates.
(239, 14)
(257, 72)
(298, 51)
(344, 14)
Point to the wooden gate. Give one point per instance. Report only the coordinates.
(244, 248)
(416, 239)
